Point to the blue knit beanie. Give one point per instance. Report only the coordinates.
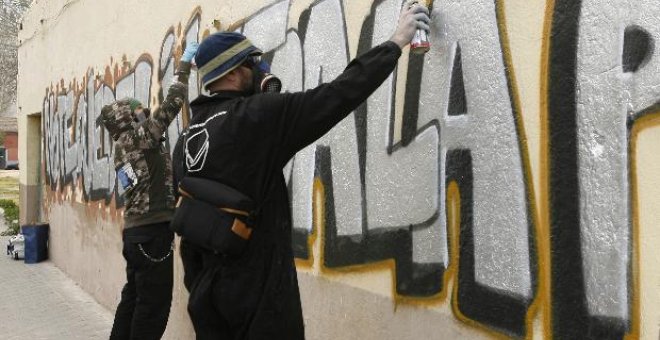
(220, 53)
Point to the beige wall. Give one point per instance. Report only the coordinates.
(444, 243)
(29, 153)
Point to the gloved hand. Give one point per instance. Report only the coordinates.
(184, 64)
(411, 19)
(189, 52)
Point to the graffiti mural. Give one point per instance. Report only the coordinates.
(384, 173)
(384, 199)
(603, 77)
(76, 146)
(430, 175)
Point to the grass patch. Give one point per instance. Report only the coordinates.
(11, 217)
(9, 202)
(9, 189)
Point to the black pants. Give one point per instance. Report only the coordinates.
(254, 297)
(192, 257)
(146, 298)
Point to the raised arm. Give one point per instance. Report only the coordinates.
(306, 116)
(152, 129)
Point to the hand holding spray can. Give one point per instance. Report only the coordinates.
(420, 43)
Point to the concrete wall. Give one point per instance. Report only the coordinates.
(504, 184)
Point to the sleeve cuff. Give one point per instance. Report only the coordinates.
(184, 68)
(392, 46)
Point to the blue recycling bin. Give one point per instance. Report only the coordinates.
(36, 242)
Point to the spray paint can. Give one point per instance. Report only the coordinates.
(420, 42)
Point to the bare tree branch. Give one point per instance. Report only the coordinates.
(11, 12)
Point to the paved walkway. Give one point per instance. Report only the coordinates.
(38, 302)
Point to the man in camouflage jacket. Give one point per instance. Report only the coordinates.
(144, 172)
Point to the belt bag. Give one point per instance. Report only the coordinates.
(213, 215)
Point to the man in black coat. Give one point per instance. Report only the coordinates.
(243, 137)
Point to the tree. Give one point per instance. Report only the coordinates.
(11, 12)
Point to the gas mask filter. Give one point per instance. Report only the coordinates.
(264, 81)
(270, 84)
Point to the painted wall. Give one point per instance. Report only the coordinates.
(502, 185)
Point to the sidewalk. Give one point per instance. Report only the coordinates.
(37, 301)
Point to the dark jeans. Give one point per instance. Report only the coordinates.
(146, 298)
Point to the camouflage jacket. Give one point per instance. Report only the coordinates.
(142, 162)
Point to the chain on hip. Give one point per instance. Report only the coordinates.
(153, 259)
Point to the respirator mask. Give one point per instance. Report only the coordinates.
(142, 115)
(263, 81)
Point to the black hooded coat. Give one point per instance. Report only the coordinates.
(245, 142)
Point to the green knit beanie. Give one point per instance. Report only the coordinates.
(134, 103)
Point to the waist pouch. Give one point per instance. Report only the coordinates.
(213, 215)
